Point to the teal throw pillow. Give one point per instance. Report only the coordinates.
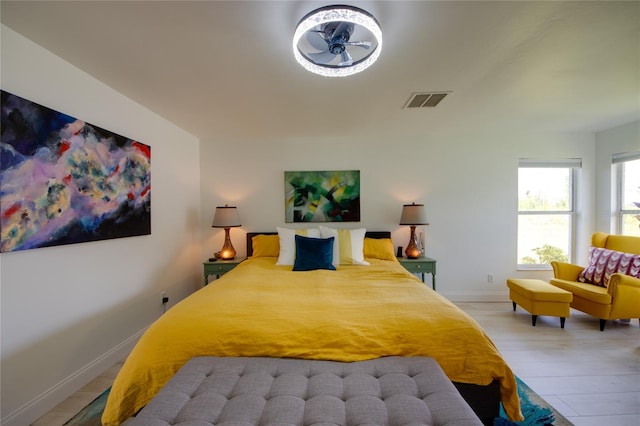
(313, 253)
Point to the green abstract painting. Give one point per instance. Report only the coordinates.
(326, 196)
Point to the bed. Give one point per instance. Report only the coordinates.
(356, 312)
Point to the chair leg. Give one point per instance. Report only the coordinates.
(562, 322)
(603, 322)
(534, 318)
(514, 306)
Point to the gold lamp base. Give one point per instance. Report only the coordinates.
(227, 252)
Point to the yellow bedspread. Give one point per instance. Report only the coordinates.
(352, 314)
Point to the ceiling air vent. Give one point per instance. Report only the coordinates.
(425, 99)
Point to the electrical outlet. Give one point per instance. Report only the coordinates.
(490, 278)
(164, 297)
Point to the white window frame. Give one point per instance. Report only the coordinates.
(575, 165)
(617, 161)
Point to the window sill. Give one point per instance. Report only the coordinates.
(532, 267)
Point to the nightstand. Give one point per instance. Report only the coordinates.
(421, 265)
(219, 268)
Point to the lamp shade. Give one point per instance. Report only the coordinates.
(226, 217)
(413, 214)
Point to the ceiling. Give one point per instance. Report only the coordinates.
(224, 71)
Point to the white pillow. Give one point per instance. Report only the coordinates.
(348, 247)
(287, 238)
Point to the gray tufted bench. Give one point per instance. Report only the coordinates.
(239, 391)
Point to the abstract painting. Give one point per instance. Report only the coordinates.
(326, 196)
(64, 181)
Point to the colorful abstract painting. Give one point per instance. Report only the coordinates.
(64, 181)
(327, 196)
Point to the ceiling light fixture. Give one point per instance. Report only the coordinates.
(337, 41)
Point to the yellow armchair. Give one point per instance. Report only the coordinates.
(621, 299)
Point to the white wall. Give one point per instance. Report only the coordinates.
(70, 312)
(467, 180)
(625, 138)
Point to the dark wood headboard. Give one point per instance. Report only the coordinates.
(368, 234)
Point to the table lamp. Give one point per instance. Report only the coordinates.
(226, 217)
(413, 214)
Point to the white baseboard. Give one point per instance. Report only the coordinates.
(479, 296)
(43, 403)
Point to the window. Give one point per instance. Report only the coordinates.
(546, 199)
(626, 169)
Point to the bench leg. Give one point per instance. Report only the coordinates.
(562, 322)
(534, 318)
(602, 324)
(514, 306)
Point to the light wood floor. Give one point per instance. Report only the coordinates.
(590, 377)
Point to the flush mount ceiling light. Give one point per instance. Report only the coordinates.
(337, 41)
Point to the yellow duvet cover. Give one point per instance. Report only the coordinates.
(352, 314)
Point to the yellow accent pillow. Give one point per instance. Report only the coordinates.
(265, 246)
(379, 248)
(348, 245)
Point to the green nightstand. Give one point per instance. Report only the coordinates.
(219, 268)
(421, 265)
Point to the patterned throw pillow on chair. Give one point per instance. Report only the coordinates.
(604, 262)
